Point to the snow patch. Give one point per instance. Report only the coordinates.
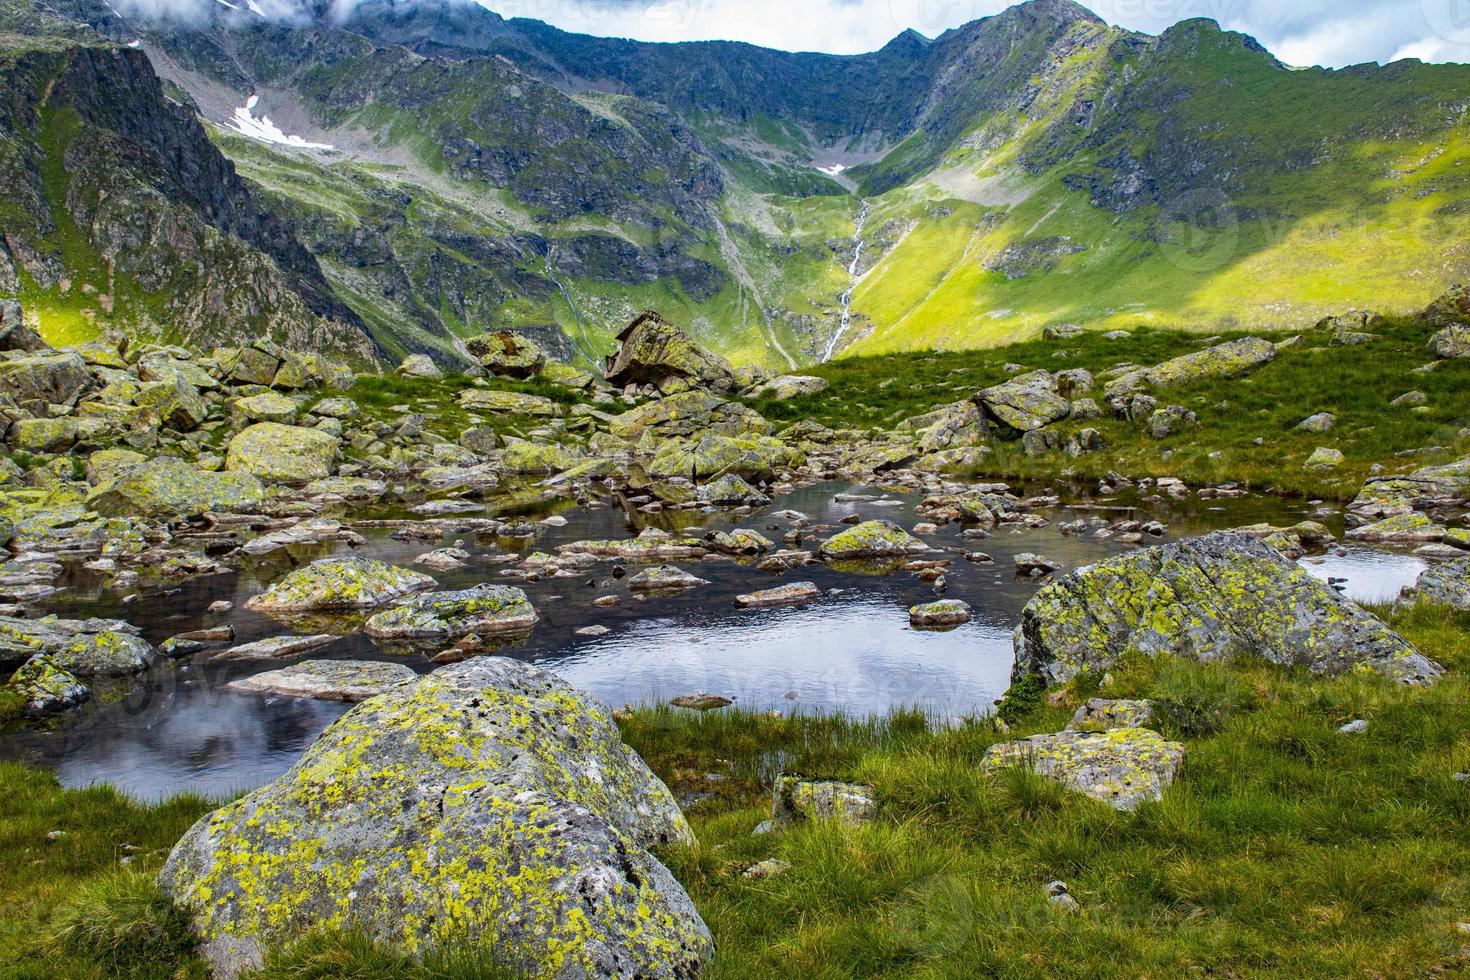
(247, 123)
(255, 8)
(226, 3)
(833, 171)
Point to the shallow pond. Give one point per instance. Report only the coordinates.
(852, 650)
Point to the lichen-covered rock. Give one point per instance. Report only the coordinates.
(871, 539)
(420, 366)
(1429, 487)
(1325, 458)
(1122, 767)
(754, 457)
(348, 681)
(506, 353)
(791, 594)
(46, 378)
(174, 402)
(15, 333)
(652, 544)
(1410, 528)
(958, 426)
(488, 610)
(106, 464)
(794, 799)
(1453, 341)
(520, 456)
(43, 435)
(1319, 423)
(1447, 584)
(652, 351)
(168, 487)
(1101, 714)
(86, 648)
(731, 490)
(940, 614)
(1228, 360)
(741, 541)
(47, 688)
(1205, 598)
(268, 406)
(507, 402)
(283, 453)
(1025, 403)
(689, 413)
(790, 386)
(339, 583)
(664, 578)
(489, 804)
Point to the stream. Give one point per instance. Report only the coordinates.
(853, 272)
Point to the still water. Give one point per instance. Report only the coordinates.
(852, 651)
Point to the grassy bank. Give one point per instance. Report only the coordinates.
(1356, 383)
(1284, 848)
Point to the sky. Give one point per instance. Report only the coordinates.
(1331, 33)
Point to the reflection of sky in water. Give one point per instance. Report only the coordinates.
(850, 651)
(842, 654)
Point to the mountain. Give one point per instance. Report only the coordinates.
(450, 170)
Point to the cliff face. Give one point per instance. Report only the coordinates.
(117, 207)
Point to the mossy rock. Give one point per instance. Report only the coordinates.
(507, 402)
(1122, 767)
(871, 539)
(489, 804)
(1447, 584)
(521, 456)
(340, 583)
(168, 487)
(175, 402)
(47, 688)
(283, 453)
(85, 648)
(268, 406)
(486, 610)
(43, 435)
(1206, 598)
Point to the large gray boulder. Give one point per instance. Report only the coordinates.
(1205, 598)
(84, 647)
(339, 583)
(1122, 767)
(1447, 585)
(169, 487)
(1025, 403)
(488, 610)
(652, 351)
(872, 539)
(44, 378)
(488, 804)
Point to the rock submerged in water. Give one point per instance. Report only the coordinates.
(1205, 598)
(86, 648)
(1122, 767)
(488, 804)
(339, 583)
(487, 610)
(665, 578)
(941, 614)
(872, 539)
(792, 594)
(46, 687)
(348, 681)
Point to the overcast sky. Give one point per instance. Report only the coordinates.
(1300, 32)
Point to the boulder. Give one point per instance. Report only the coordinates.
(872, 539)
(1449, 310)
(419, 366)
(43, 435)
(506, 402)
(268, 406)
(794, 800)
(86, 648)
(1024, 403)
(652, 544)
(956, 426)
(689, 413)
(1205, 598)
(46, 378)
(1228, 360)
(15, 333)
(46, 687)
(664, 578)
(274, 648)
(1102, 714)
(731, 490)
(652, 351)
(741, 541)
(175, 402)
(1325, 458)
(753, 457)
(1122, 767)
(283, 453)
(940, 614)
(520, 456)
(1319, 423)
(487, 610)
(789, 386)
(348, 681)
(792, 594)
(488, 805)
(339, 583)
(1447, 585)
(1411, 528)
(1451, 342)
(165, 487)
(507, 354)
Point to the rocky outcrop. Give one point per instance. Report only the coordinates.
(488, 805)
(1024, 403)
(284, 453)
(1205, 598)
(1427, 488)
(339, 584)
(1122, 767)
(1447, 584)
(1228, 360)
(165, 487)
(655, 353)
(507, 354)
(486, 610)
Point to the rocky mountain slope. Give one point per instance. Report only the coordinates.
(454, 171)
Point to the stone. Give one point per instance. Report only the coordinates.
(480, 439)
(107, 464)
(487, 805)
(15, 333)
(43, 435)
(1228, 360)
(339, 408)
(339, 583)
(1446, 584)
(1102, 714)
(1451, 342)
(486, 610)
(1122, 767)
(1410, 399)
(664, 578)
(444, 559)
(164, 487)
(1168, 421)
(1400, 529)
(348, 681)
(347, 487)
(420, 366)
(1205, 598)
(703, 701)
(769, 868)
(652, 351)
(86, 648)
(790, 386)
(1355, 727)
(594, 630)
(1035, 566)
(1324, 458)
(283, 453)
(175, 402)
(652, 544)
(732, 490)
(520, 456)
(274, 648)
(794, 800)
(944, 613)
(1061, 331)
(741, 542)
(753, 457)
(871, 539)
(1025, 403)
(45, 378)
(507, 402)
(792, 594)
(47, 688)
(1319, 423)
(960, 425)
(506, 354)
(268, 406)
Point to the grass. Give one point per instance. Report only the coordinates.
(1284, 848)
(1354, 383)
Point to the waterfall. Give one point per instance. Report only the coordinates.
(589, 350)
(852, 270)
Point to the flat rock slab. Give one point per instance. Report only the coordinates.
(1124, 767)
(339, 583)
(665, 578)
(486, 610)
(935, 615)
(348, 681)
(794, 594)
(275, 648)
(1101, 714)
